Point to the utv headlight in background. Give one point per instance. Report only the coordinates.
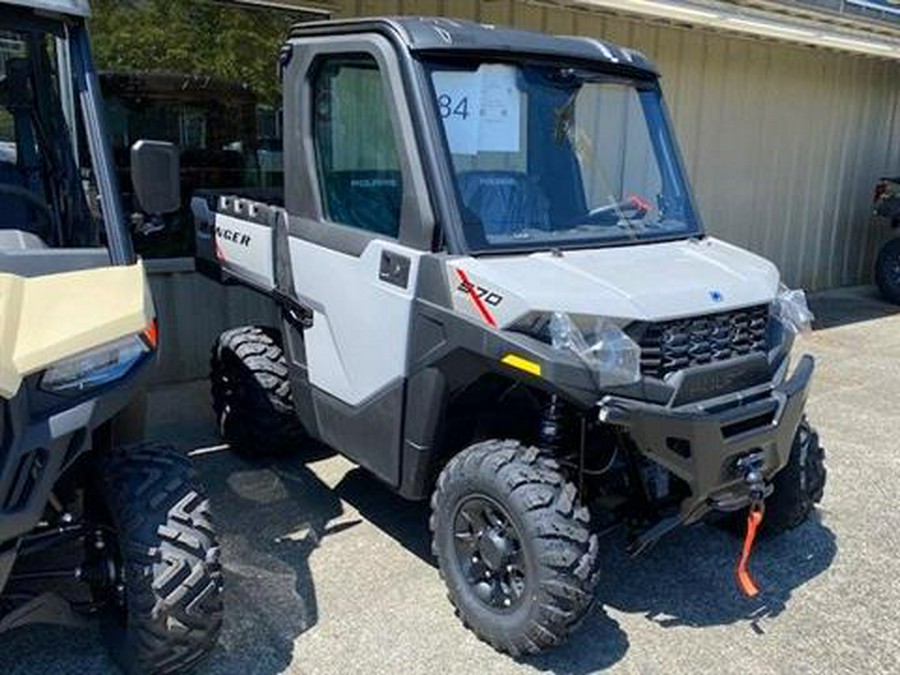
(99, 366)
(791, 308)
(613, 358)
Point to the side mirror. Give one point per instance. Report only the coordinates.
(155, 176)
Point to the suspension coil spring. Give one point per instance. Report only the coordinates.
(552, 427)
(100, 573)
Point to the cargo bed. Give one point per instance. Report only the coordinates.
(234, 236)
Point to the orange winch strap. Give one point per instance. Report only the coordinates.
(744, 580)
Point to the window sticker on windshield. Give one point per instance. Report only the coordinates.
(499, 121)
(459, 102)
(480, 110)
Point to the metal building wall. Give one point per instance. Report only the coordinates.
(192, 311)
(783, 143)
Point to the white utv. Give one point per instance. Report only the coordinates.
(495, 291)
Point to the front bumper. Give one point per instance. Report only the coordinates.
(702, 443)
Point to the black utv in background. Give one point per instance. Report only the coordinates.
(887, 209)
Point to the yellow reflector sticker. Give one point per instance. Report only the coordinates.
(522, 364)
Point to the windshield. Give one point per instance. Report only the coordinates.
(43, 200)
(548, 157)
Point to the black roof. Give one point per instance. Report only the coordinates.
(433, 35)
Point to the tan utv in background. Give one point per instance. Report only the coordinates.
(89, 528)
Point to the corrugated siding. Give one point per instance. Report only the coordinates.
(192, 312)
(783, 144)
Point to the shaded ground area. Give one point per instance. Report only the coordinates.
(328, 572)
(846, 306)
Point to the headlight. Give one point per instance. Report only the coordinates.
(613, 358)
(99, 366)
(792, 310)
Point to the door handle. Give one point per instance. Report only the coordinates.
(394, 269)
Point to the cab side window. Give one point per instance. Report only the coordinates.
(356, 153)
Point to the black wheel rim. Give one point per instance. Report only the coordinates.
(235, 390)
(489, 552)
(234, 377)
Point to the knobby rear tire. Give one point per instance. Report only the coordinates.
(251, 393)
(886, 271)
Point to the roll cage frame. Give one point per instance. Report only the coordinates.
(74, 55)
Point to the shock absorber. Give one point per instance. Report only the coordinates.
(557, 436)
(552, 424)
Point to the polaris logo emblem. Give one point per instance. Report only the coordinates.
(707, 385)
(716, 296)
(713, 380)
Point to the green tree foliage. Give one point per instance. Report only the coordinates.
(197, 37)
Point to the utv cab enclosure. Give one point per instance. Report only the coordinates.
(495, 291)
(88, 527)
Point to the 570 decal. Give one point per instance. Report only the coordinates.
(488, 297)
(480, 296)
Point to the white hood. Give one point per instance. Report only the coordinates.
(649, 282)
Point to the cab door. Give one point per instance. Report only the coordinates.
(359, 225)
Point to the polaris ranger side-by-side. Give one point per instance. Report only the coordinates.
(88, 526)
(495, 291)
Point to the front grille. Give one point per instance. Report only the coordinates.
(670, 346)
